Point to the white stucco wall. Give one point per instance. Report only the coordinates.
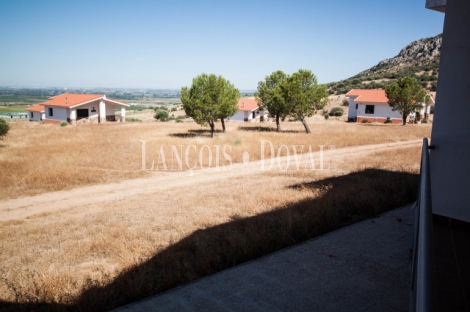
(352, 111)
(241, 115)
(89, 106)
(110, 109)
(59, 113)
(36, 116)
(380, 111)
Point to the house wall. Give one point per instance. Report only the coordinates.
(247, 115)
(239, 116)
(450, 167)
(110, 109)
(352, 111)
(59, 114)
(381, 110)
(36, 116)
(89, 106)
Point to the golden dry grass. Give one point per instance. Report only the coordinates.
(101, 256)
(37, 158)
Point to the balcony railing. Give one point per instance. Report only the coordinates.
(423, 280)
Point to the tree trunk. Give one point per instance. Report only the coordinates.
(223, 124)
(278, 125)
(307, 129)
(404, 119)
(211, 124)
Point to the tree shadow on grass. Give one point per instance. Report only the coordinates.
(183, 135)
(341, 201)
(267, 129)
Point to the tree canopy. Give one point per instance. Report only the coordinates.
(270, 96)
(405, 95)
(209, 98)
(298, 96)
(304, 95)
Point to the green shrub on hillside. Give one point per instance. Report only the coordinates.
(337, 111)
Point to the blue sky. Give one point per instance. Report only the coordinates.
(164, 44)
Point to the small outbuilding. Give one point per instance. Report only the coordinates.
(248, 110)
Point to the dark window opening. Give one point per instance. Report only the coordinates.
(32, 115)
(51, 112)
(82, 113)
(370, 109)
(357, 105)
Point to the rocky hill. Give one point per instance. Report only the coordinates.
(420, 58)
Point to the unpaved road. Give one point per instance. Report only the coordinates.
(158, 181)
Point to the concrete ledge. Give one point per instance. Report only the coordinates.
(363, 267)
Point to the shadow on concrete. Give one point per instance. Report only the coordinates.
(341, 201)
(267, 129)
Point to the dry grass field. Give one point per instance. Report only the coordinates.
(102, 254)
(37, 158)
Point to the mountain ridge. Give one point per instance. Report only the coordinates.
(420, 58)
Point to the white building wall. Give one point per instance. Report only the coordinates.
(239, 116)
(352, 111)
(95, 105)
(58, 113)
(110, 110)
(380, 111)
(34, 116)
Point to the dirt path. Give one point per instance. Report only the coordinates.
(26, 207)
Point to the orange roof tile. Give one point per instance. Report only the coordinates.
(70, 99)
(245, 104)
(368, 96)
(36, 108)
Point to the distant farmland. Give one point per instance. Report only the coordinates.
(8, 100)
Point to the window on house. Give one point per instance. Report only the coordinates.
(357, 105)
(370, 109)
(51, 113)
(32, 115)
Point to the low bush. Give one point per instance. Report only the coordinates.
(424, 120)
(364, 121)
(132, 119)
(336, 111)
(63, 123)
(4, 127)
(161, 115)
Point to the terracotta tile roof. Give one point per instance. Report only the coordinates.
(245, 104)
(70, 99)
(368, 96)
(36, 108)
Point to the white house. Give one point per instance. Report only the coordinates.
(73, 108)
(248, 110)
(372, 105)
(36, 112)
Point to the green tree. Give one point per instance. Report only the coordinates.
(405, 95)
(304, 95)
(4, 127)
(209, 98)
(270, 96)
(228, 100)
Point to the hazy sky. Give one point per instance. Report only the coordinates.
(164, 44)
